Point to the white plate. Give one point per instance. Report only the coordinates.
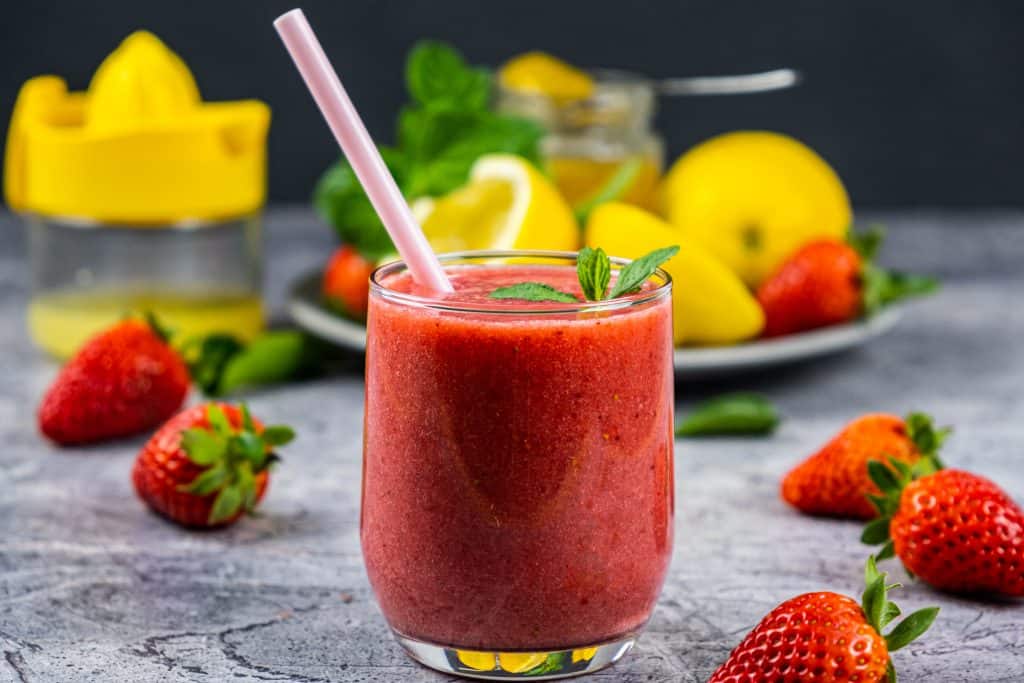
(307, 310)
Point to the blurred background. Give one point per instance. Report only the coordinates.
(914, 103)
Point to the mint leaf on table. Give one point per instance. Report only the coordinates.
(634, 275)
(736, 414)
(533, 291)
(594, 269)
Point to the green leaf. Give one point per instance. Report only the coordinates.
(882, 287)
(594, 269)
(883, 477)
(613, 189)
(252, 447)
(226, 504)
(272, 357)
(871, 572)
(218, 420)
(926, 437)
(882, 504)
(206, 358)
(437, 75)
(867, 243)
(202, 446)
(553, 662)
(246, 482)
(633, 276)
(873, 600)
(890, 672)
(876, 532)
(533, 291)
(911, 628)
(888, 550)
(247, 422)
(207, 481)
(889, 612)
(731, 414)
(278, 435)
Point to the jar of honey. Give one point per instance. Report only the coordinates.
(138, 196)
(598, 136)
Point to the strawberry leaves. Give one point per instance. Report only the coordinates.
(881, 287)
(231, 458)
(880, 612)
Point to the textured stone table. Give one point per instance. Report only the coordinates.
(94, 588)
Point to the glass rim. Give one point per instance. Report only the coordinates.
(504, 308)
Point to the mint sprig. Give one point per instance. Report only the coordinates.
(594, 270)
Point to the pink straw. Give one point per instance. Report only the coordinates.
(348, 129)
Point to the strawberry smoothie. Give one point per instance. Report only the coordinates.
(517, 477)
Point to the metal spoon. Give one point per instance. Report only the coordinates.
(766, 81)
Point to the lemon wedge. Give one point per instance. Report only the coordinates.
(518, 662)
(538, 73)
(710, 305)
(506, 204)
(752, 198)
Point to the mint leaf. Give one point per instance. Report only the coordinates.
(533, 291)
(731, 414)
(633, 276)
(594, 269)
(272, 357)
(437, 75)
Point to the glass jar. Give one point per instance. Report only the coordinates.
(592, 140)
(197, 277)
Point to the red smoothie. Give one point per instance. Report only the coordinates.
(517, 476)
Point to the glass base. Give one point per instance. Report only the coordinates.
(517, 666)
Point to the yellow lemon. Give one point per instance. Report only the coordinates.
(518, 662)
(584, 654)
(506, 204)
(538, 73)
(479, 661)
(752, 198)
(710, 305)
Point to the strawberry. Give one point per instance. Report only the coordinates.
(834, 481)
(123, 381)
(827, 282)
(207, 465)
(346, 282)
(955, 530)
(826, 637)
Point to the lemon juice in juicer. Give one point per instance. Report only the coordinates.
(138, 196)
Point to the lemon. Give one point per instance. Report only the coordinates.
(506, 204)
(538, 73)
(479, 661)
(710, 304)
(518, 662)
(752, 198)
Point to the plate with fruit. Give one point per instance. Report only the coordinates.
(768, 270)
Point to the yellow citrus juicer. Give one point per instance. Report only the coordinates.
(138, 195)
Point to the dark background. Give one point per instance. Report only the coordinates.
(914, 103)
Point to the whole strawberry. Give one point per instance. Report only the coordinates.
(955, 530)
(829, 281)
(826, 637)
(207, 465)
(123, 381)
(346, 282)
(834, 482)
(819, 285)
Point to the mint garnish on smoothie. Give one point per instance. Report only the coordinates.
(594, 269)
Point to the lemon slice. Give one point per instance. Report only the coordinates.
(710, 305)
(518, 662)
(538, 73)
(506, 204)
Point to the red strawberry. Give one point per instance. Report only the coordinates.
(819, 285)
(346, 282)
(123, 381)
(207, 465)
(834, 481)
(953, 529)
(825, 637)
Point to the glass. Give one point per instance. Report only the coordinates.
(197, 278)
(517, 477)
(590, 140)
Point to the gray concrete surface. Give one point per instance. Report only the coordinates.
(94, 588)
